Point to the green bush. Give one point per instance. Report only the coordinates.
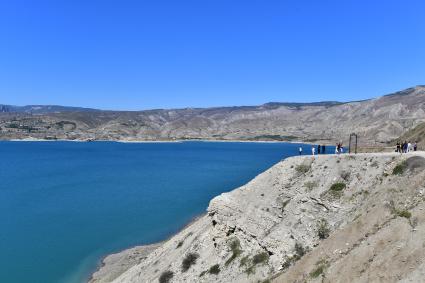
(323, 229)
(166, 276)
(337, 187)
(215, 269)
(302, 168)
(299, 250)
(399, 212)
(318, 271)
(400, 168)
(321, 266)
(260, 258)
(404, 213)
(189, 260)
(244, 261)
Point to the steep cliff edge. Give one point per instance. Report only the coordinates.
(349, 218)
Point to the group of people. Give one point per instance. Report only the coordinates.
(400, 147)
(321, 149)
(406, 147)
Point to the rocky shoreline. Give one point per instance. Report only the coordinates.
(113, 265)
(268, 228)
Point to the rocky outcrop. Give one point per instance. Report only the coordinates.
(348, 218)
(376, 121)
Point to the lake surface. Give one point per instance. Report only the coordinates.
(64, 205)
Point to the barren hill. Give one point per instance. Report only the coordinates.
(377, 121)
(416, 134)
(349, 218)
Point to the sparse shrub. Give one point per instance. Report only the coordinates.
(235, 247)
(189, 260)
(166, 276)
(310, 185)
(404, 213)
(337, 187)
(179, 244)
(284, 204)
(215, 269)
(302, 168)
(260, 258)
(345, 175)
(202, 273)
(323, 229)
(400, 168)
(399, 212)
(375, 164)
(299, 250)
(244, 261)
(320, 269)
(336, 190)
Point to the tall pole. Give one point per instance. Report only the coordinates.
(356, 145)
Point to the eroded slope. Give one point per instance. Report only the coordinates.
(332, 213)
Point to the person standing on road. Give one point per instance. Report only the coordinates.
(300, 150)
(313, 149)
(318, 149)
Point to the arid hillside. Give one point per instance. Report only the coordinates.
(348, 218)
(417, 134)
(376, 121)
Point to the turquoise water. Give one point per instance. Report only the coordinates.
(63, 205)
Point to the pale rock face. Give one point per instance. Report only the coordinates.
(283, 208)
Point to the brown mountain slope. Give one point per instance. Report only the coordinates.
(417, 134)
(377, 121)
(383, 243)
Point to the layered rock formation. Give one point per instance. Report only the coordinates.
(348, 218)
(377, 121)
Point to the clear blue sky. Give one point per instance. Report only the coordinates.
(162, 54)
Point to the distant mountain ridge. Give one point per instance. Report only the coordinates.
(42, 109)
(46, 109)
(376, 121)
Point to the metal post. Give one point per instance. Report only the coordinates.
(350, 141)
